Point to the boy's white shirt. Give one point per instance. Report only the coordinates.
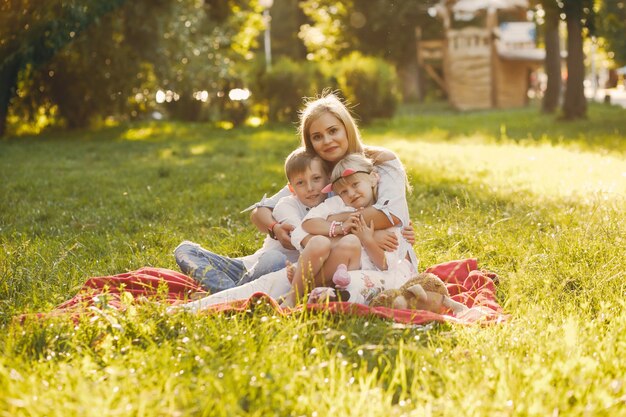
(335, 205)
(288, 210)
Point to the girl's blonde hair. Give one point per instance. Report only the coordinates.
(328, 102)
(357, 163)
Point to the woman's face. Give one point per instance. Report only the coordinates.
(328, 137)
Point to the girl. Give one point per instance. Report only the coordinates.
(326, 244)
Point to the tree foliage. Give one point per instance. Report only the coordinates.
(94, 58)
(381, 28)
(32, 32)
(612, 27)
(327, 36)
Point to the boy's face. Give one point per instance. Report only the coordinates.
(307, 186)
(356, 190)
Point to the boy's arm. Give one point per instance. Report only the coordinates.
(263, 219)
(288, 212)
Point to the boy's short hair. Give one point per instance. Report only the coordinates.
(299, 160)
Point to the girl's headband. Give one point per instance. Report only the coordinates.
(346, 173)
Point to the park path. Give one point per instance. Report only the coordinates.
(618, 95)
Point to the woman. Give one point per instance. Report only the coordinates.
(328, 129)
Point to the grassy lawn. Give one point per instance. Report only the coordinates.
(540, 202)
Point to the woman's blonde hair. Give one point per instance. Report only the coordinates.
(328, 102)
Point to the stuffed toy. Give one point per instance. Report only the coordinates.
(425, 291)
(341, 280)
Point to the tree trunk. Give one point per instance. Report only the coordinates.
(575, 103)
(552, 64)
(8, 85)
(408, 73)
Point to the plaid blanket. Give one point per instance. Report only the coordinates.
(466, 283)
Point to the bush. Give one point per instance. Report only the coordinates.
(369, 83)
(283, 87)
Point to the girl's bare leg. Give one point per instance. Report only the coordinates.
(310, 263)
(346, 251)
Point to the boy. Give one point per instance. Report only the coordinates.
(307, 177)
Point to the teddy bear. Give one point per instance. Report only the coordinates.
(424, 291)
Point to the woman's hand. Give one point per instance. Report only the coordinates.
(408, 233)
(283, 234)
(386, 240)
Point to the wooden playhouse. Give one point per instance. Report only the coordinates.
(482, 63)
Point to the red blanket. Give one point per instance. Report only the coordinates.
(466, 284)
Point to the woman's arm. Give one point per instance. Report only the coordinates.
(392, 203)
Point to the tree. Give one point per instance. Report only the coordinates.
(388, 31)
(553, 56)
(579, 15)
(31, 32)
(202, 48)
(287, 18)
(327, 36)
(96, 58)
(612, 27)
(382, 28)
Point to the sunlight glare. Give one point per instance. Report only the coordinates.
(239, 94)
(138, 134)
(544, 170)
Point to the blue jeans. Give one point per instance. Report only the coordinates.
(216, 273)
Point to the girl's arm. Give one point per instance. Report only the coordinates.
(380, 219)
(366, 234)
(315, 223)
(317, 226)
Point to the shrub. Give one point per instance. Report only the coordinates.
(283, 87)
(369, 83)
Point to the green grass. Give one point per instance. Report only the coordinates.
(540, 202)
